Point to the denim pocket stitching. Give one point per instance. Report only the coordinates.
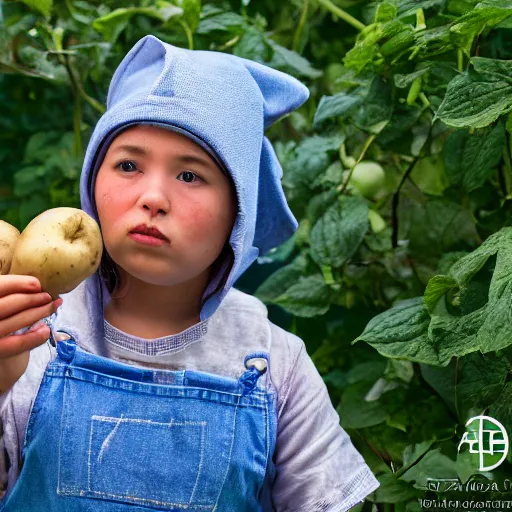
(118, 422)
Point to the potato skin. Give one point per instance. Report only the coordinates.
(8, 238)
(61, 247)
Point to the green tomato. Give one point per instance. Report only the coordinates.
(368, 178)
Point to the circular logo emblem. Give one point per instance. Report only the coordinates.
(488, 438)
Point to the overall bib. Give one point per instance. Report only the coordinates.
(107, 436)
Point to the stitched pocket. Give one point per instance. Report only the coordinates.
(138, 458)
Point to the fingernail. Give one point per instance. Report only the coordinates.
(37, 325)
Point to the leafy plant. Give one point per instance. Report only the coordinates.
(403, 296)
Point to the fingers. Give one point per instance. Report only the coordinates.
(12, 283)
(18, 311)
(16, 344)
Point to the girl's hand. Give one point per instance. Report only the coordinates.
(22, 303)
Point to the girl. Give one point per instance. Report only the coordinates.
(168, 388)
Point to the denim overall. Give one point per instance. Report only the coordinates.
(107, 436)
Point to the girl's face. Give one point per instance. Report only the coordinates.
(153, 176)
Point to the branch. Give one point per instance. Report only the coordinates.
(342, 14)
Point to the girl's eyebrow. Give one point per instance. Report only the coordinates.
(183, 158)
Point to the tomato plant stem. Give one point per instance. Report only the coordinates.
(190, 37)
(367, 144)
(298, 32)
(342, 14)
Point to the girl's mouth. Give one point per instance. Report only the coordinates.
(146, 239)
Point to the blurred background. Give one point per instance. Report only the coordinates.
(398, 169)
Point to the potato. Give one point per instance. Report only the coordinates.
(61, 247)
(8, 237)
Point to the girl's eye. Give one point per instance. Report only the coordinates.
(127, 166)
(189, 175)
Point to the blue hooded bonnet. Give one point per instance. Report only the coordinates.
(223, 103)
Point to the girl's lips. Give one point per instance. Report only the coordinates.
(146, 239)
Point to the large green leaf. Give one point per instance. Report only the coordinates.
(486, 14)
(436, 225)
(474, 99)
(480, 381)
(338, 233)
(309, 159)
(470, 158)
(489, 327)
(309, 297)
(402, 332)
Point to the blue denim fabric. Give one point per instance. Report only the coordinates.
(105, 436)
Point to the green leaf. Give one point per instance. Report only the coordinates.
(339, 232)
(385, 11)
(292, 62)
(309, 159)
(191, 12)
(402, 332)
(369, 371)
(442, 380)
(433, 463)
(475, 100)
(377, 107)
(34, 63)
(501, 410)
(253, 45)
(485, 14)
(402, 81)
(339, 105)
(355, 411)
(470, 158)
(436, 288)
(408, 7)
(309, 297)
(414, 452)
(402, 120)
(111, 25)
(488, 328)
(435, 226)
(281, 280)
(221, 22)
(480, 381)
(501, 69)
(365, 51)
(393, 490)
(43, 6)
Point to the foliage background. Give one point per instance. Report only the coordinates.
(402, 296)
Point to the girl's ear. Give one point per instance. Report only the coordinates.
(281, 92)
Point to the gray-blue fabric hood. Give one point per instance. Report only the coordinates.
(222, 102)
